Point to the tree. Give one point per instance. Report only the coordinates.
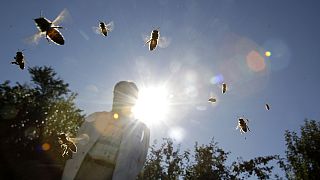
(31, 117)
(164, 162)
(207, 162)
(303, 153)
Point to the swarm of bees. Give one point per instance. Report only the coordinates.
(68, 146)
(50, 30)
(19, 60)
(242, 122)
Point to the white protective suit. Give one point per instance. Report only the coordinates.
(132, 151)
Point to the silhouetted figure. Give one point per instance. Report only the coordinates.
(118, 143)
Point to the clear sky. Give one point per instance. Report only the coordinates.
(207, 42)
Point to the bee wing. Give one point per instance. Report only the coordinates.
(64, 14)
(73, 147)
(35, 38)
(110, 26)
(164, 42)
(146, 39)
(96, 30)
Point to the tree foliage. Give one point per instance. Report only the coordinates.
(303, 152)
(33, 114)
(205, 162)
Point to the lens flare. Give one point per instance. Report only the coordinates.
(115, 115)
(255, 61)
(216, 79)
(45, 146)
(281, 53)
(152, 105)
(177, 133)
(267, 53)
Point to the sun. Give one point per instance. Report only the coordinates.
(152, 105)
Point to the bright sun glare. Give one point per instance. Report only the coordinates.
(152, 105)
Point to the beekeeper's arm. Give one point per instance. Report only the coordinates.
(131, 156)
(145, 147)
(72, 165)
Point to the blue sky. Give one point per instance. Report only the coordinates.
(206, 39)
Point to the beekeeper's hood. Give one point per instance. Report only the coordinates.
(125, 95)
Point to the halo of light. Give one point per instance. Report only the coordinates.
(45, 146)
(191, 91)
(267, 53)
(115, 116)
(255, 61)
(177, 133)
(281, 54)
(216, 79)
(191, 76)
(152, 105)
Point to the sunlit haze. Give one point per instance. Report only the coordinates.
(265, 52)
(152, 105)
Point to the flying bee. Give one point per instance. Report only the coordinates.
(104, 28)
(224, 88)
(267, 107)
(154, 38)
(49, 29)
(68, 146)
(19, 59)
(243, 125)
(212, 100)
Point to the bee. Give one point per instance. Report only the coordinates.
(224, 88)
(68, 146)
(50, 29)
(154, 39)
(212, 100)
(243, 125)
(19, 60)
(267, 107)
(104, 28)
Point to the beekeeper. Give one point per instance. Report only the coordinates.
(117, 145)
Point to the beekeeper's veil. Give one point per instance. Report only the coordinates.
(125, 95)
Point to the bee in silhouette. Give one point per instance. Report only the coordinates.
(49, 29)
(68, 146)
(224, 88)
(267, 107)
(104, 28)
(212, 100)
(19, 59)
(153, 40)
(243, 125)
